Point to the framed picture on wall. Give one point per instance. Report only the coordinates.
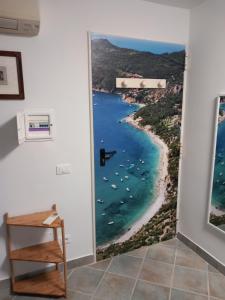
(216, 215)
(11, 76)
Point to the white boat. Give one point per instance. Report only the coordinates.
(114, 186)
(116, 173)
(121, 179)
(103, 214)
(126, 177)
(127, 189)
(100, 201)
(105, 178)
(122, 202)
(142, 162)
(143, 178)
(110, 223)
(121, 166)
(131, 196)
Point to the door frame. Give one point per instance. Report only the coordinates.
(91, 120)
(91, 112)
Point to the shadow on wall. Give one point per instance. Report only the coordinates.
(5, 263)
(8, 137)
(21, 237)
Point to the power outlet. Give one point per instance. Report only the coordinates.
(63, 169)
(67, 239)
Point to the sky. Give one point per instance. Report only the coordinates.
(140, 45)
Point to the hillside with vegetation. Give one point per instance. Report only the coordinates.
(109, 62)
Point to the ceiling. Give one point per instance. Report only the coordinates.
(179, 3)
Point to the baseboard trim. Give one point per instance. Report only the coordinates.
(74, 263)
(81, 261)
(201, 252)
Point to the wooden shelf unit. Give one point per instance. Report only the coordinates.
(49, 283)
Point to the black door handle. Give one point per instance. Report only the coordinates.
(105, 156)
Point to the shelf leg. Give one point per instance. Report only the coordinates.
(64, 257)
(9, 249)
(55, 233)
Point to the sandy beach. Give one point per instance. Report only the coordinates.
(216, 211)
(161, 182)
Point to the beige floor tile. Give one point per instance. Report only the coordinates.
(101, 265)
(162, 253)
(156, 272)
(170, 243)
(188, 258)
(217, 285)
(85, 280)
(148, 291)
(182, 295)
(141, 252)
(181, 245)
(125, 265)
(115, 287)
(190, 280)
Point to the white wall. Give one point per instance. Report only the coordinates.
(206, 79)
(55, 67)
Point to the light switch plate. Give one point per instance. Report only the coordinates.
(62, 169)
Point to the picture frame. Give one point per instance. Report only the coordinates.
(215, 214)
(11, 76)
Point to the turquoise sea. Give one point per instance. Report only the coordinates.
(132, 170)
(218, 193)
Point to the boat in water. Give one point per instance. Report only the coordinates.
(100, 201)
(110, 223)
(114, 186)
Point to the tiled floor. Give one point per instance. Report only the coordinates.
(166, 271)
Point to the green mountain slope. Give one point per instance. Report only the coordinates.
(109, 62)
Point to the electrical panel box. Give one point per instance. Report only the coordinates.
(35, 126)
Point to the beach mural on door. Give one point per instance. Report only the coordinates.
(136, 142)
(217, 200)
